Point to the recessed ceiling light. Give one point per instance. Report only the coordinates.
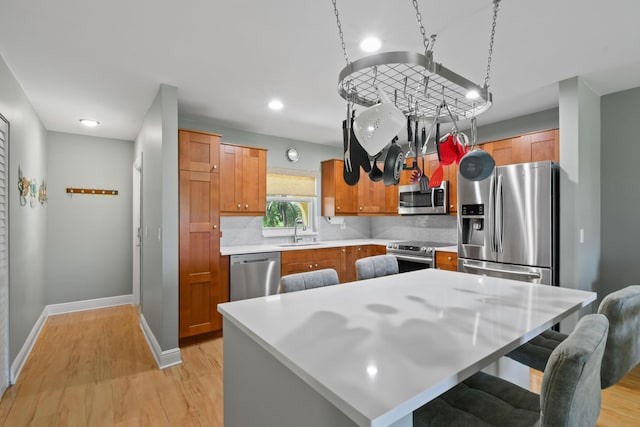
(89, 123)
(473, 94)
(370, 44)
(276, 104)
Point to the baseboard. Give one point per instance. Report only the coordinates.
(53, 309)
(90, 304)
(164, 359)
(23, 354)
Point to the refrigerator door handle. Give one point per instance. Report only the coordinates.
(530, 274)
(492, 232)
(499, 216)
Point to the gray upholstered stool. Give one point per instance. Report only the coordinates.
(310, 280)
(376, 266)
(570, 394)
(622, 353)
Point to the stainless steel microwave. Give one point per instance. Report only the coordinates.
(413, 201)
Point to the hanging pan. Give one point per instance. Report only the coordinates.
(477, 164)
(393, 164)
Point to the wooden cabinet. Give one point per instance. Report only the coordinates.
(350, 255)
(203, 280)
(365, 198)
(244, 180)
(447, 261)
(300, 261)
(531, 147)
(338, 198)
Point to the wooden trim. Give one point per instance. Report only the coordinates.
(199, 131)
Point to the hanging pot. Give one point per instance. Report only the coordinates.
(375, 126)
(393, 165)
(476, 165)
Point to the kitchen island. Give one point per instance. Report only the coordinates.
(369, 353)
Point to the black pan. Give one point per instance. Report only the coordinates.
(359, 156)
(393, 164)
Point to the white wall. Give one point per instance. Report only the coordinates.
(89, 252)
(158, 143)
(27, 226)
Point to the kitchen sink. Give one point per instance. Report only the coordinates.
(293, 245)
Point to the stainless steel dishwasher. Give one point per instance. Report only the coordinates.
(254, 275)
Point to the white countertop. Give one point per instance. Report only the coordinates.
(254, 249)
(380, 348)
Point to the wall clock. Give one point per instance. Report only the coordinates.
(292, 154)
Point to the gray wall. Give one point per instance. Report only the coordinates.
(27, 226)
(89, 249)
(158, 143)
(620, 152)
(579, 188)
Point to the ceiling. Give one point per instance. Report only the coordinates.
(106, 59)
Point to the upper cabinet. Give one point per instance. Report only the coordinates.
(531, 147)
(198, 151)
(365, 198)
(243, 184)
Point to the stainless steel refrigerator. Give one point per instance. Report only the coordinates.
(508, 223)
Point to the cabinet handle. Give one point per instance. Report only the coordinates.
(344, 250)
(215, 227)
(316, 265)
(310, 266)
(359, 248)
(449, 258)
(337, 208)
(360, 207)
(214, 167)
(238, 205)
(246, 206)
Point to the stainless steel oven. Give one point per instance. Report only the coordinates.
(414, 255)
(416, 201)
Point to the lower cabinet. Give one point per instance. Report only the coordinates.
(341, 259)
(447, 261)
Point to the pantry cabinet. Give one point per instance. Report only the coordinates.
(203, 279)
(243, 190)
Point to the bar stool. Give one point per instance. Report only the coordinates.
(376, 266)
(622, 353)
(308, 280)
(570, 394)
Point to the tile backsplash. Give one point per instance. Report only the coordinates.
(242, 230)
(433, 228)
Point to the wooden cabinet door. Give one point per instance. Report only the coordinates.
(539, 146)
(451, 174)
(199, 253)
(292, 262)
(374, 250)
(338, 198)
(371, 195)
(254, 180)
(198, 151)
(447, 261)
(391, 200)
(231, 172)
(327, 258)
(351, 255)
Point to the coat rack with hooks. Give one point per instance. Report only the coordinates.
(92, 191)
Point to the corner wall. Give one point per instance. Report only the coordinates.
(158, 144)
(89, 253)
(620, 152)
(27, 226)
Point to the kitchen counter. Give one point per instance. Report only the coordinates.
(278, 247)
(369, 353)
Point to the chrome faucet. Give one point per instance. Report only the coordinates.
(297, 222)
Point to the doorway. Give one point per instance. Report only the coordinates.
(137, 228)
(4, 254)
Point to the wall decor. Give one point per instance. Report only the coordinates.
(23, 187)
(33, 190)
(42, 193)
(93, 191)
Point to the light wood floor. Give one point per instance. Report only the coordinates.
(94, 368)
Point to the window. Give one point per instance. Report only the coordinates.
(289, 196)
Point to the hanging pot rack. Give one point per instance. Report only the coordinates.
(416, 84)
(414, 81)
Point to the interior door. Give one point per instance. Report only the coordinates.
(524, 214)
(4, 255)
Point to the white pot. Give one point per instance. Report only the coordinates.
(376, 126)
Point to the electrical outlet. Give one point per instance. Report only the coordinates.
(582, 235)
(343, 226)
